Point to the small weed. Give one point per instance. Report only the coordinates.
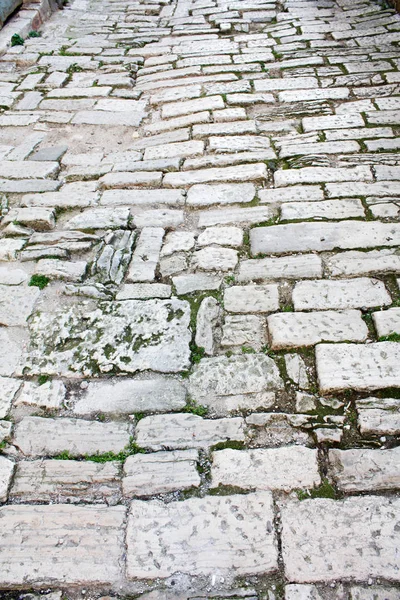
(39, 281)
(197, 353)
(35, 34)
(392, 337)
(229, 279)
(139, 416)
(17, 40)
(74, 68)
(42, 379)
(248, 350)
(3, 444)
(194, 408)
(287, 308)
(231, 444)
(64, 455)
(325, 490)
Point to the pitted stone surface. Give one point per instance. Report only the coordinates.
(202, 536)
(131, 335)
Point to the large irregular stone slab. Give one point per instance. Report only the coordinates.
(160, 472)
(130, 396)
(126, 336)
(322, 540)
(226, 383)
(66, 481)
(363, 470)
(361, 367)
(202, 536)
(163, 432)
(16, 304)
(266, 469)
(292, 330)
(37, 436)
(306, 237)
(67, 545)
(346, 293)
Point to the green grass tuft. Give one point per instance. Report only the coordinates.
(39, 281)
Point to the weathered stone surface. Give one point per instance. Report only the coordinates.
(251, 298)
(186, 284)
(49, 395)
(364, 263)
(255, 172)
(227, 533)
(66, 481)
(251, 215)
(9, 276)
(38, 540)
(305, 237)
(8, 388)
(387, 322)
(177, 241)
(10, 353)
(243, 331)
(40, 219)
(130, 336)
(378, 416)
(6, 473)
(208, 318)
(285, 267)
(146, 255)
(266, 469)
(291, 330)
(160, 473)
(276, 429)
(323, 540)
(37, 436)
(346, 366)
(144, 291)
(215, 258)
(346, 293)
(161, 432)
(296, 370)
(226, 384)
(61, 269)
(17, 304)
(224, 236)
(362, 470)
(131, 396)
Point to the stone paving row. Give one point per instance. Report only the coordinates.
(200, 303)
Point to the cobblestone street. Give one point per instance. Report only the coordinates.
(200, 303)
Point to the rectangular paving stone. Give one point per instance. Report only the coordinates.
(179, 149)
(363, 469)
(146, 255)
(160, 473)
(67, 545)
(66, 481)
(201, 535)
(19, 169)
(363, 263)
(285, 267)
(291, 330)
(129, 396)
(274, 84)
(380, 188)
(306, 237)
(297, 193)
(322, 175)
(38, 436)
(177, 109)
(339, 93)
(332, 122)
(346, 293)
(328, 209)
(181, 430)
(251, 215)
(359, 367)
(322, 539)
(135, 197)
(239, 173)
(387, 322)
(6, 472)
(143, 291)
(251, 298)
(266, 469)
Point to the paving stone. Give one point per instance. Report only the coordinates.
(321, 175)
(10, 353)
(328, 209)
(276, 429)
(17, 304)
(12, 276)
(179, 431)
(363, 263)
(179, 149)
(378, 415)
(6, 473)
(100, 218)
(8, 389)
(160, 473)
(37, 436)
(158, 218)
(297, 193)
(387, 322)
(322, 539)
(225, 236)
(146, 255)
(305, 237)
(291, 330)
(215, 258)
(129, 396)
(254, 298)
(66, 481)
(266, 469)
(364, 368)
(141, 197)
(361, 470)
(176, 109)
(144, 291)
(60, 269)
(14, 169)
(40, 219)
(287, 267)
(43, 556)
(230, 533)
(128, 336)
(72, 195)
(131, 179)
(186, 284)
(177, 241)
(50, 395)
(204, 195)
(255, 172)
(243, 331)
(346, 293)
(207, 320)
(296, 370)
(251, 215)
